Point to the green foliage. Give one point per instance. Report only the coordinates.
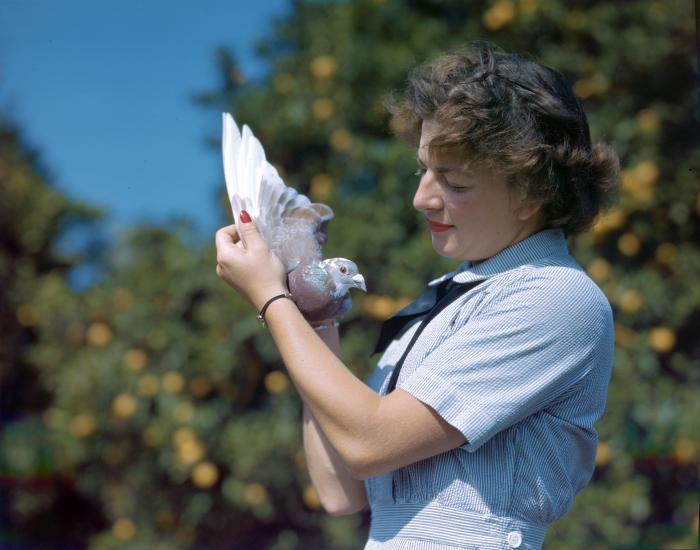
(161, 405)
(37, 491)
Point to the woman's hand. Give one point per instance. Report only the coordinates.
(254, 271)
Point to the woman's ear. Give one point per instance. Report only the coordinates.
(528, 209)
(525, 207)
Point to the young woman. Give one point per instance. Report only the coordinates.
(484, 434)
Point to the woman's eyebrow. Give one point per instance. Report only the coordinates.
(438, 169)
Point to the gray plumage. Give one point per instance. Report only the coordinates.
(292, 226)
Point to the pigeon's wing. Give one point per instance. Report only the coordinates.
(290, 224)
(252, 183)
(316, 214)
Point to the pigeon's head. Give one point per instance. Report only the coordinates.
(345, 275)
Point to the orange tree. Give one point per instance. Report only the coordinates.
(37, 495)
(168, 404)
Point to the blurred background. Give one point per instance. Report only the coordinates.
(143, 406)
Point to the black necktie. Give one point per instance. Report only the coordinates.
(420, 306)
(440, 297)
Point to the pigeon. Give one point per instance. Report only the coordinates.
(292, 226)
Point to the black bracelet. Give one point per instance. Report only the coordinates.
(261, 315)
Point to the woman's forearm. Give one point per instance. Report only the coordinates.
(338, 401)
(339, 492)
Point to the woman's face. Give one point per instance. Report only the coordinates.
(471, 212)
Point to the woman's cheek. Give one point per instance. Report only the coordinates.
(463, 207)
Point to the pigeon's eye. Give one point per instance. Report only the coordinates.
(343, 269)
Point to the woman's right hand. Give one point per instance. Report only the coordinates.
(255, 272)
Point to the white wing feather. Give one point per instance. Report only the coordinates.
(249, 176)
(253, 184)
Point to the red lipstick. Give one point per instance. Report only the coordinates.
(438, 227)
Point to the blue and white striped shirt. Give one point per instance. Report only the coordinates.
(520, 365)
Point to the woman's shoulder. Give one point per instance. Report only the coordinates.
(554, 290)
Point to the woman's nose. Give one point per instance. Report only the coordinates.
(427, 195)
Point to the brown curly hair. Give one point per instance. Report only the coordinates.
(518, 117)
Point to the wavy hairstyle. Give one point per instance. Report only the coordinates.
(518, 117)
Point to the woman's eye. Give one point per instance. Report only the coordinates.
(456, 188)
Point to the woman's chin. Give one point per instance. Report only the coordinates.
(449, 250)
(444, 249)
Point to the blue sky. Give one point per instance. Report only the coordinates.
(103, 91)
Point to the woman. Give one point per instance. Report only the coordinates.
(488, 434)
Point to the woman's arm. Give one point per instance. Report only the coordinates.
(340, 493)
(372, 434)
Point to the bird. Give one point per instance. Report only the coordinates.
(292, 226)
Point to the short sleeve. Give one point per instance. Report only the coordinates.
(533, 341)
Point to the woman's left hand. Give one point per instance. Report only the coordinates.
(254, 271)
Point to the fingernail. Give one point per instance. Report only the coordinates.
(245, 217)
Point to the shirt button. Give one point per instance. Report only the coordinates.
(515, 539)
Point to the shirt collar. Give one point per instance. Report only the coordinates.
(548, 242)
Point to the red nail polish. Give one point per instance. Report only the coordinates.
(245, 217)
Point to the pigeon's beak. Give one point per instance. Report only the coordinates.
(359, 282)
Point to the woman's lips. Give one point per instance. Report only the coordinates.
(438, 227)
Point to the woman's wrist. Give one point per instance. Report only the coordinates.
(266, 299)
(261, 297)
(268, 303)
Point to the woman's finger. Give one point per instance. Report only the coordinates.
(249, 233)
(226, 237)
(231, 231)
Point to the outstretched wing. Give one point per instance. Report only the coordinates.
(290, 223)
